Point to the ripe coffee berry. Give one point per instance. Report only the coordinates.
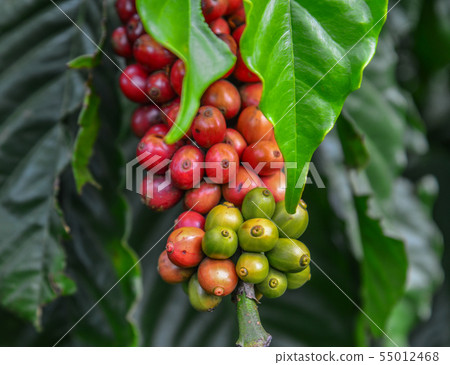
(167, 107)
(120, 43)
(159, 129)
(190, 219)
(132, 83)
(222, 162)
(125, 9)
(224, 96)
(184, 246)
(276, 183)
(220, 26)
(217, 277)
(230, 42)
(154, 153)
(209, 126)
(177, 75)
(170, 272)
(237, 189)
(264, 156)
(143, 118)
(135, 29)
(242, 73)
(213, 9)
(186, 168)
(150, 53)
(235, 139)
(237, 33)
(158, 195)
(233, 5)
(237, 18)
(203, 198)
(251, 94)
(158, 87)
(254, 126)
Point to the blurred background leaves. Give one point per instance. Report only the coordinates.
(383, 168)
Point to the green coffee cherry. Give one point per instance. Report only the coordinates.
(258, 203)
(257, 235)
(224, 215)
(220, 243)
(289, 255)
(291, 225)
(252, 267)
(296, 280)
(199, 298)
(274, 285)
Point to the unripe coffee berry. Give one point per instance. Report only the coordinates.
(224, 96)
(184, 246)
(289, 255)
(186, 168)
(217, 277)
(199, 298)
(208, 127)
(204, 198)
(190, 219)
(252, 267)
(291, 225)
(258, 203)
(274, 285)
(224, 215)
(298, 279)
(257, 235)
(221, 163)
(220, 243)
(171, 273)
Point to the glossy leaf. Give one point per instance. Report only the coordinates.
(180, 27)
(84, 61)
(318, 50)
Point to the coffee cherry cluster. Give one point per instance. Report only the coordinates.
(257, 244)
(227, 131)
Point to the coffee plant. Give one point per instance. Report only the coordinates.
(161, 175)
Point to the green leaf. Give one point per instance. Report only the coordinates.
(89, 122)
(84, 61)
(309, 55)
(180, 27)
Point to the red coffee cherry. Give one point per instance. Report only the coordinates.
(213, 9)
(217, 277)
(125, 9)
(235, 139)
(203, 198)
(177, 75)
(237, 18)
(143, 118)
(224, 96)
(135, 29)
(132, 83)
(220, 26)
(120, 43)
(168, 106)
(251, 94)
(152, 151)
(209, 126)
(242, 73)
(150, 53)
(254, 126)
(186, 168)
(237, 33)
(158, 87)
(222, 162)
(228, 39)
(276, 183)
(184, 246)
(172, 115)
(265, 153)
(236, 190)
(159, 194)
(161, 129)
(171, 273)
(233, 5)
(190, 219)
